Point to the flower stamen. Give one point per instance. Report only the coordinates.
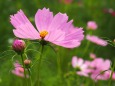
(43, 34)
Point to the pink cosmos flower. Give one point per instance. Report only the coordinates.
(19, 70)
(104, 75)
(92, 25)
(55, 29)
(99, 69)
(96, 40)
(80, 66)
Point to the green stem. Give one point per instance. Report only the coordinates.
(110, 80)
(87, 46)
(24, 69)
(68, 82)
(40, 65)
(30, 76)
(59, 67)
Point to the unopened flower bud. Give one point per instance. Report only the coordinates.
(18, 46)
(27, 63)
(114, 40)
(92, 56)
(92, 25)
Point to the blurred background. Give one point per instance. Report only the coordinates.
(81, 11)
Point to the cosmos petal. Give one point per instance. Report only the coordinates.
(23, 28)
(43, 19)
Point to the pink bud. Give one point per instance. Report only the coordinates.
(18, 46)
(92, 56)
(92, 25)
(27, 63)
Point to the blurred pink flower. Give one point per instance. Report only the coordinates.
(99, 69)
(110, 11)
(113, 13)
(92, 55)
(109, 74)
(19, 70)
(113, 76)
(96, 40)
(103, 75)
(92, 25)
(80, 66)
(55, 29)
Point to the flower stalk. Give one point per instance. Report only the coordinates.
(40, 59)
(110, 80)
(24, 69)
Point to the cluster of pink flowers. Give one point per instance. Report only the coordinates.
(18, 70)
(97, 69)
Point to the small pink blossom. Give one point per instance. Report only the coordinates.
(99, 68)
(78, 63)
(96, 40)
(55, 29)
(103, 75)
(113, 13)
(92, 25)
(110, 11)
(19, 70)
(92, 55)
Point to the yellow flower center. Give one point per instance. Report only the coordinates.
(43, 34)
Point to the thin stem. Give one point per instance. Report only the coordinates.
(67, 77)
(24, 69)
(87, 46)
(40, 65)
(59, 67)
(110, 80)
(68, 82)
(29, 71)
